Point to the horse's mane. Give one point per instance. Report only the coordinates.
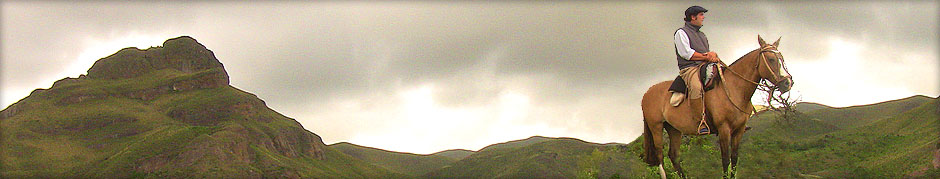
(742, 56)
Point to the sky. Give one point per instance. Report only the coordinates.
(423, 77)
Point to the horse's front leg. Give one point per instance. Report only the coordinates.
(736, 137)
(724, 143)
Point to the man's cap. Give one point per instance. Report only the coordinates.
(693, 11)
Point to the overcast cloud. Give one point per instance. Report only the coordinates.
(424, 76)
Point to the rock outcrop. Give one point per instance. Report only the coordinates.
(182, 53)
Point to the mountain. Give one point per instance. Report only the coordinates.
(165, 111)
(404, 163)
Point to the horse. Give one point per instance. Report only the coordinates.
(728, 108)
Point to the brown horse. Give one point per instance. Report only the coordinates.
(728, 107)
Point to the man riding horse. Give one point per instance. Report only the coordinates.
(692, 54)
(728, 107)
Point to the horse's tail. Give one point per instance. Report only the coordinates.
(649, 149)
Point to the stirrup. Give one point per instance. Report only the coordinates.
(704, 131)
(703, 128)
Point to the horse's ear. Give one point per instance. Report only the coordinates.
(777, 43)
(761, 41)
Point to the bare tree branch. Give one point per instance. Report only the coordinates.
(777, 101)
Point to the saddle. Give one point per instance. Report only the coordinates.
(708, 76)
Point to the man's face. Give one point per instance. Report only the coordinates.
(698, 19)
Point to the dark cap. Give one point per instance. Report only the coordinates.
(693, 11)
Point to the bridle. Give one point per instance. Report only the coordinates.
(777, 55)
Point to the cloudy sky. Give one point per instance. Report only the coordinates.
(425, 76)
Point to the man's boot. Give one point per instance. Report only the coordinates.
(676, 98)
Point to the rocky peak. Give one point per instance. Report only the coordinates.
(182, 53)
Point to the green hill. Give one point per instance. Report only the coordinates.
(161, 112)
(405, 163)
(889, 139)
(542, 157)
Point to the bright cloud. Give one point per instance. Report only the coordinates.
(847, 76)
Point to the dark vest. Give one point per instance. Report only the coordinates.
(697, 41)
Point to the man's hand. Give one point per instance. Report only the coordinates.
(707, 56)
(712, 57)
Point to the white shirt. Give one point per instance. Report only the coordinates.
(682, 45)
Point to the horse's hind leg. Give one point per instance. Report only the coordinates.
(675, 141)
(653, 143)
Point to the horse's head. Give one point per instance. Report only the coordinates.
(773, 68)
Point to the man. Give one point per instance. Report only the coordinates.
(691, 52)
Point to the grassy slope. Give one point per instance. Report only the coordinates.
(891, 145)
(116, 136)
(405, 163)
(897, 140)
(853, 116)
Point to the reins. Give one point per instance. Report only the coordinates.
(768, 48)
